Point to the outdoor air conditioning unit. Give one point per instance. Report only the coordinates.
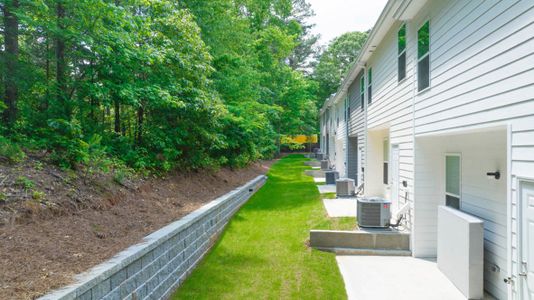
(345, 187)
(374, 212)
(325, 164)
(319, 156)
(331, 177)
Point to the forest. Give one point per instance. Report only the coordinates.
(162, 84)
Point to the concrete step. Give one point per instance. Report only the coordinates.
(368, 252)
(361, 241)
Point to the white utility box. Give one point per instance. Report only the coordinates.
(461, 250)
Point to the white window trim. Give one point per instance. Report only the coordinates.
(424, 56)
(405, 51)
(362, 92)
(459, 177)
(387, 161)
(369, 85)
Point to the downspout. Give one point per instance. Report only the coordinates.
(411, 220)
(347, 118)
(365, 127)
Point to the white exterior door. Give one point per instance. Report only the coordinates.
(526, 271)
(394, 178)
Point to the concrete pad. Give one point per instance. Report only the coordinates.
(313, 163)
(344, 207)
(395, 277)
(314, 173)
(364, 241)
(316, 168)
(319, 179)
(327, 188)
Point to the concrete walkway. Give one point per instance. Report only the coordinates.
(342, 207)
(395, 277)
(319, 179)
(326, 188)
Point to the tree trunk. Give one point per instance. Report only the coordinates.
(140, 121)
(60, 61)
(47, 69)
(117, 109)
(11, 44)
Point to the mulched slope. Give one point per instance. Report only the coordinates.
(80, 223)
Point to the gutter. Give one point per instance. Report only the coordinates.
(395, 10)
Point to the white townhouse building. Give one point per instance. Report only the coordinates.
(440, 107)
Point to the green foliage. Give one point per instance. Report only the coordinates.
(24, 182)
(160, 84)
(10, 151)
(38, 195)
(335, 61)
(278, 217)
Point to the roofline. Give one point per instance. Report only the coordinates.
(395, 10)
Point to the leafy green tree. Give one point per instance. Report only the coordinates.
(335, 61)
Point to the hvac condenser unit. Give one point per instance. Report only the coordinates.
(325, 164)
(331, 177)
(374, 212)
(345, 187)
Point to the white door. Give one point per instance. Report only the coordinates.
(526, 271)
(394, 178)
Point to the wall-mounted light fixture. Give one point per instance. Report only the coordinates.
(496, 175)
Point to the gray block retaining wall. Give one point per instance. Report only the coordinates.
(154, 268)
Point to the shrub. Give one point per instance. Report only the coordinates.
(37, 195)
(24, 182)
(10, 151)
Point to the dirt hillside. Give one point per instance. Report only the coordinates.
(55, 224)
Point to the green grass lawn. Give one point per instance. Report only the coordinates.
(263, 254)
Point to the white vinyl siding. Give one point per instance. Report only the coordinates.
(392, 106)
(482, 73)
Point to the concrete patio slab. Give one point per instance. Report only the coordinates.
(314, 173)
(395, 277)
(313, 163)
(327, 188)
(343, 207)
(319, 179)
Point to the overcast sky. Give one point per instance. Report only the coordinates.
(335, 17)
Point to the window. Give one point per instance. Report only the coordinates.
(423, 57)
(452, 180)
(362, 90)
(386, 160)
(370, 85)
(401, 39)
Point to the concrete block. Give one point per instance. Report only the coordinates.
(118, 278)
(86, 296)
(101, 289)
(147, 259)
(127, 287)
(134, 267)
(331, 177)
(461, 250)
(113, 295)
